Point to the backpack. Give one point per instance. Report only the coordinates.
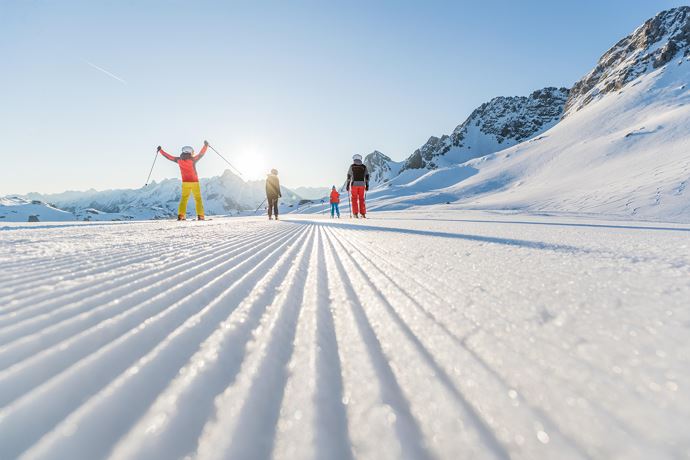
(358, 172)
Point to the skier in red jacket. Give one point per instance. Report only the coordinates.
(190, 179)
(335, 201)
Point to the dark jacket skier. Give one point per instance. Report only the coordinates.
(357, 184)
(273, 193)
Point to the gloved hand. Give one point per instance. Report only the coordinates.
(366, 187)
(347, 188)
(206, 143)
(159, 148)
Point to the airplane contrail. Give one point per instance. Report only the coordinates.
(121, 80)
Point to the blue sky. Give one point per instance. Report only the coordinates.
(90, 88)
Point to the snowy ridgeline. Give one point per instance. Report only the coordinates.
(223, 195)
(445, 335)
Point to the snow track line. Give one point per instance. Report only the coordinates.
(8, 228)
(95, 371)
(332, 434)
(170, 307)
(390, 276)
(576, 362)
(183, 350)
(176, 419)
(309, 339)
(262, 379)
(46, 274)
(552, 427)
(313, 421)
(122, 292)
(97, 284)
(122, 252)
(478, 423)
(369, 420)
(408, 431)
(88, 318)
(526, 244)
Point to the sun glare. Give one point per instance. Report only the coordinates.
(252, 165)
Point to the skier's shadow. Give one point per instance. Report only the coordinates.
(461, 236)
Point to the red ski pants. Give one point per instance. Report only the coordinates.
(358, 206)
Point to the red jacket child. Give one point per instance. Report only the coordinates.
(335, 199)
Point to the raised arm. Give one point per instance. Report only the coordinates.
(166, 154)
(201, 153)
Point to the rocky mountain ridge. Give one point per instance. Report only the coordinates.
(495, 125)
(651, 46)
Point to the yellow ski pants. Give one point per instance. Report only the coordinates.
(187, 188)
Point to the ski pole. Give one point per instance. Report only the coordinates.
(238, 171)
(154, 164)
(257, 209)
(349, 203)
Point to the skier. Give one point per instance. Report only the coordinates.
(335, 200)
(357, 184)
(273, 193)
(190, 180)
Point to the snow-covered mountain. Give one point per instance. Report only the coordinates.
(500, 123)
(622, 148)
(16, 209)
(652, 46)
(225, 194)
(493, 126)
(381, 168)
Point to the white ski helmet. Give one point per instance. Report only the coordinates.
(357, 156)
(187, 149)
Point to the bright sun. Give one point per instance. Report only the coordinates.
(252, 165)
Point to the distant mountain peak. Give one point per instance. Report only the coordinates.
(380, 166)
(494, 125)
(651, 46)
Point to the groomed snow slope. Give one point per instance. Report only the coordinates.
(410, 335)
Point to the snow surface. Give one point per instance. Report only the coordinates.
(409, 335)
(16, 209)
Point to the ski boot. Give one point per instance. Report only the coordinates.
(181, 217)
(200, 218)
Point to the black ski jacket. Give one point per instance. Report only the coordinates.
(358, 175)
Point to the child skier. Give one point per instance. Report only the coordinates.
(335, 200)
(190, 180)
(273, 193)
(357, 184)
